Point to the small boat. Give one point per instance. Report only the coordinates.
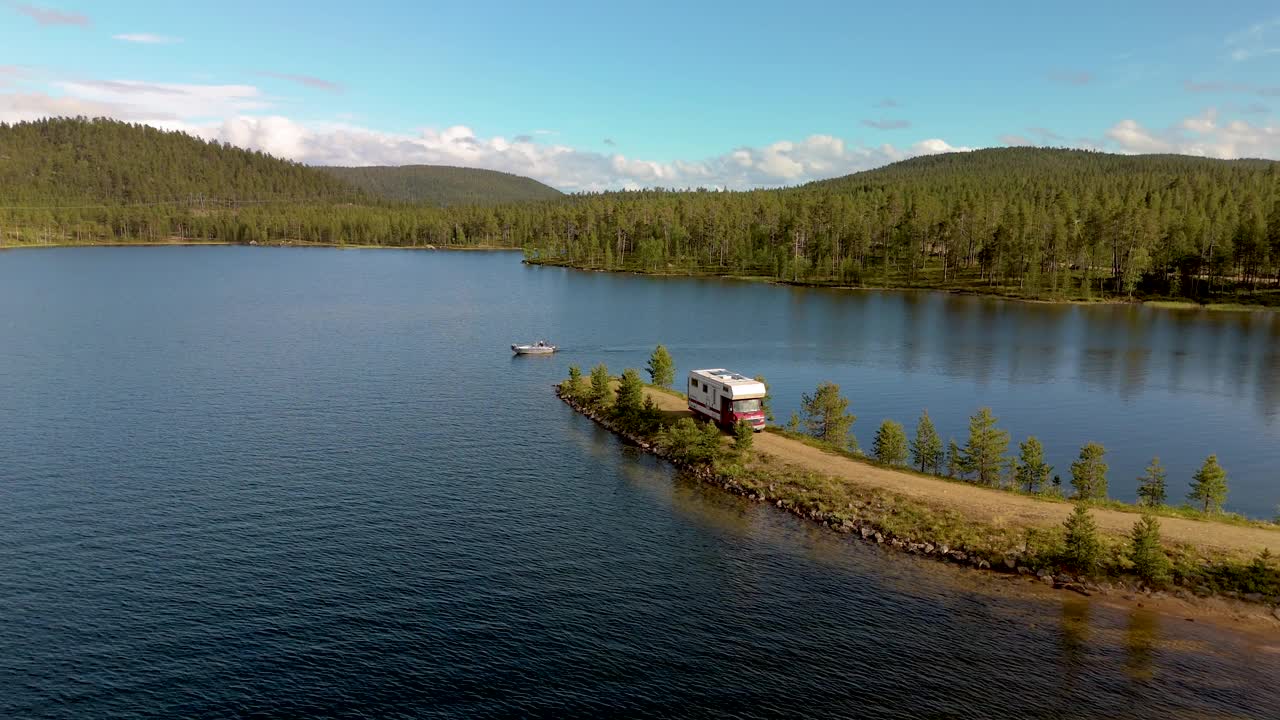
(539, 348)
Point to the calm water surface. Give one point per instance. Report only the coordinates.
(244, 481)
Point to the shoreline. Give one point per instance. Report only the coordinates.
(1162, 304)
(227, 243)
(871, 518)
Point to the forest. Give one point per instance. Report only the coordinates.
(445, 186)
(1025, 222)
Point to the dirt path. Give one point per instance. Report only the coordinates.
(995, 507)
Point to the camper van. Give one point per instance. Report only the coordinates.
(726, 397)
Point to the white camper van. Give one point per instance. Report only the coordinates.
(726, 397)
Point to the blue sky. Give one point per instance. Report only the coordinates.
(586, 95)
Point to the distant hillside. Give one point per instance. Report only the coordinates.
(106, 161)
(446, 186)
(1061, 168)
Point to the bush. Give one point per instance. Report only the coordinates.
(744, 436)
(691, 442)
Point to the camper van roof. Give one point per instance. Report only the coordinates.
(727, 377)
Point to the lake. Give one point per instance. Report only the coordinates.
(293, 482)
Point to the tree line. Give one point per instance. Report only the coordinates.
(1030, 222)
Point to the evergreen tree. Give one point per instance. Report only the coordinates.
(984, 455)
(1083, 549)
(953, 459)
(1032, 471)
(1089, 473)
(1148, 557)
(573, 387)
(793, 422)
(601, 393)
(661, 368)
(691, 442)
(890, 443)
(765, 402)
(1209, 485)
(826, 415)
(630, 396)
(926, 449)
(744, 436)
(1151, 486)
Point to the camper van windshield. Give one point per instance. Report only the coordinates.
(746, 405)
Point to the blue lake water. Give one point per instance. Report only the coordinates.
(288, 482)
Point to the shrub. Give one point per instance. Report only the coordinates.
(744, 436)
(691, 442)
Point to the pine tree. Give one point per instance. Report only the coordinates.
(1032, 471)
(826, 416)
(793, 422)
(573, 387)
(661, 368)
(984, 455)
(1148, 557)
(926, 449)
(630, 397)
(601, 392)
(953, 459)
(890, 443)
(744, 436)
(1209, 485)
(1082, 550)
(765, 403)
(1151, 486)
(1089, 473)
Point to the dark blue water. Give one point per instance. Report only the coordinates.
(279, 483)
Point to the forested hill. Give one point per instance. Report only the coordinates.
(1060, 168)
(61, 161)
(442, 185)
(1029, 222)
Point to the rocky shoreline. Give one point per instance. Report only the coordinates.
(859, 520)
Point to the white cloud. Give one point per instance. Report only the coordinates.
(241, 115)
(143, 101)
(1257, 40)
(887, 124)
(781, 163)
(147, 38)
(1016, 140)
(1205, 135)
(306, 80)
(52, 16)
(1071, 77)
